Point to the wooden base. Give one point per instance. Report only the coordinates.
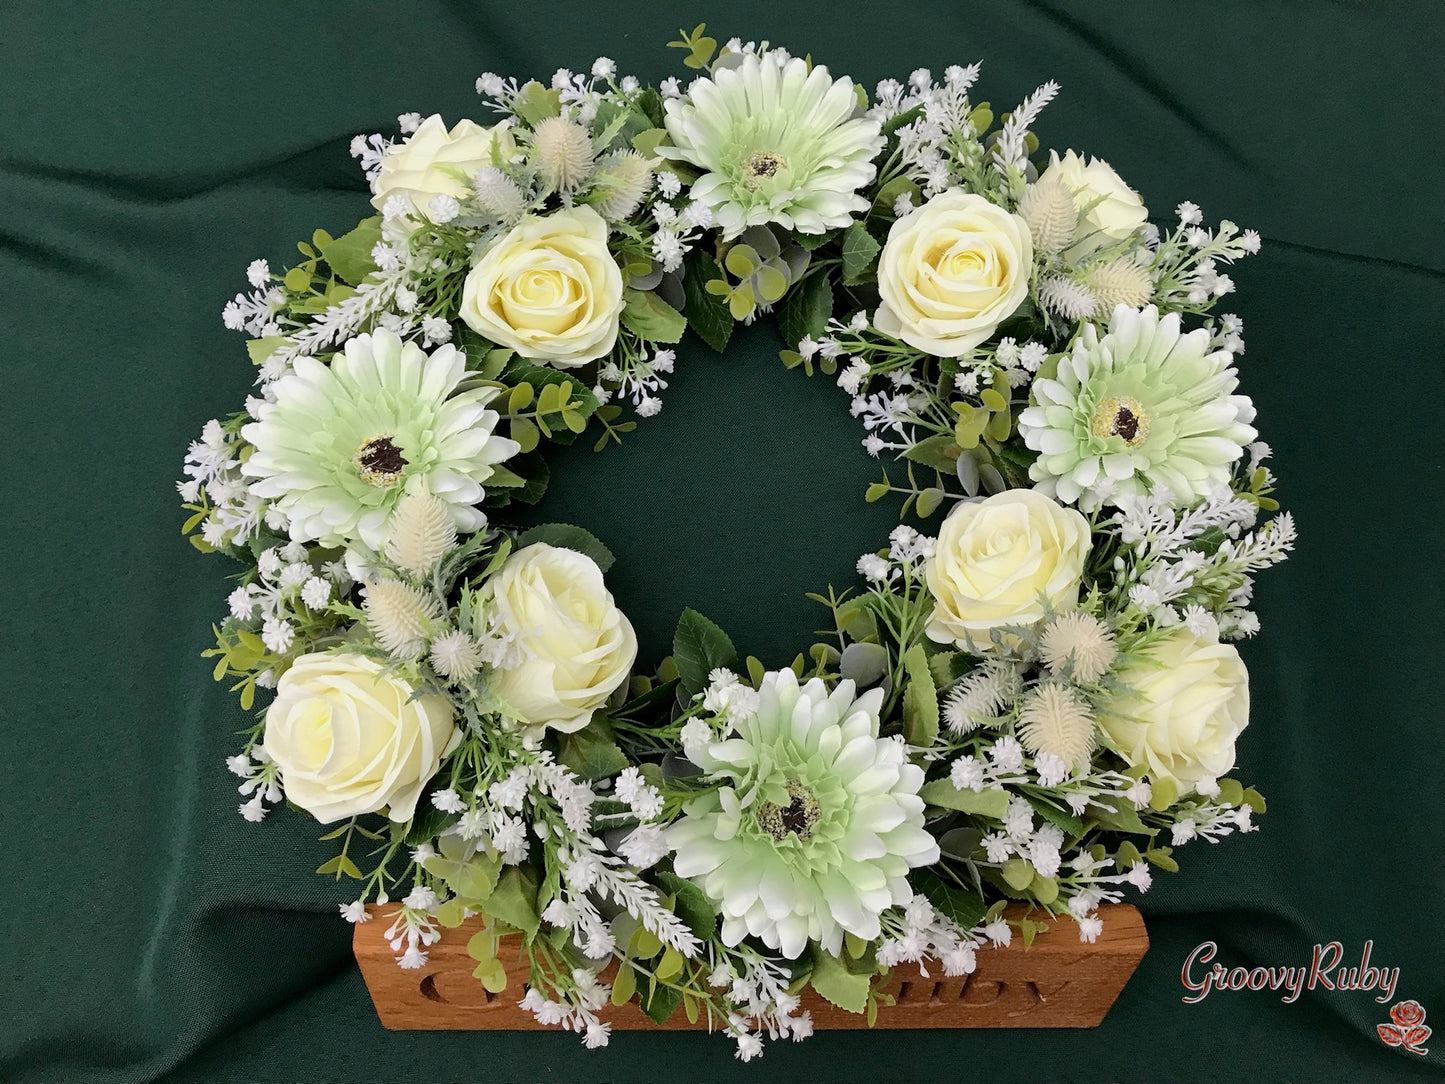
(1058, 982)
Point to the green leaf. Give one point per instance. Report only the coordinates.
(928, 502)
(526, 434)
(624, 985)
(810, 241)
(536, 103)
(646, 142)
(876, 492)
(1162, 793)
(1067, 821)
(805, 311)
(670, 966)
(349, 256)
(492, 975)
(939, 451)
(1159, 856)
(342, 866)
(962, 905)
(1254, 800)
(699, 647)
(691, 904)
(514, 900)
(707, 314)
(1119, 817)
(503, 478)
(832, 979)
(988, 803)
(263, 348)
(660, 1002)
(591, 753)
(1018, 873)
(519, 370)
(482, 945)
(651, 318)
(427, 823)
(860, 250)
(473, 879)
(566, 536)
(920, 699)
(889, 193)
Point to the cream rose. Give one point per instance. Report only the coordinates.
(997, 561)
(436, 162)
(951, 272)
(1183, 709)
(577, 646)
(350, 739)
(1109, 210)
(549, 289)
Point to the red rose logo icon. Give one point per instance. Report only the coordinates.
(1408, 1030)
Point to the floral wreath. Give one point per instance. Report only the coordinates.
(1035, 705)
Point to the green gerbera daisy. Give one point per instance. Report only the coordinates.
(779, 143)
(1138, 407)
(817, 826)
(342, 444)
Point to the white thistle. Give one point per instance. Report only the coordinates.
(1048, 208)
(455, 656)
(499, 195)
(1054, 720)
(1065, 297)
(399, 616)
(1082, 639)
(622, 182)
(562, 154)
(1119, 282)
(421, 532)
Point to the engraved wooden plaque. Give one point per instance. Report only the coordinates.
(1058, 982)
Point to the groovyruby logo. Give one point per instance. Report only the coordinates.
(1407, 1028)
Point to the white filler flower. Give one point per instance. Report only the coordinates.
(778, 143)
(817, 826)
(1141, 406)
(343, 444)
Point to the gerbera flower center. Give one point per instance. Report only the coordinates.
(760, 165)
(1121, 416)
(798, 817)
(380, 462)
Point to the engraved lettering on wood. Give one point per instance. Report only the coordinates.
(1057, 983)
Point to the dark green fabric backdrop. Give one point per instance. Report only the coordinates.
(150, 150)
